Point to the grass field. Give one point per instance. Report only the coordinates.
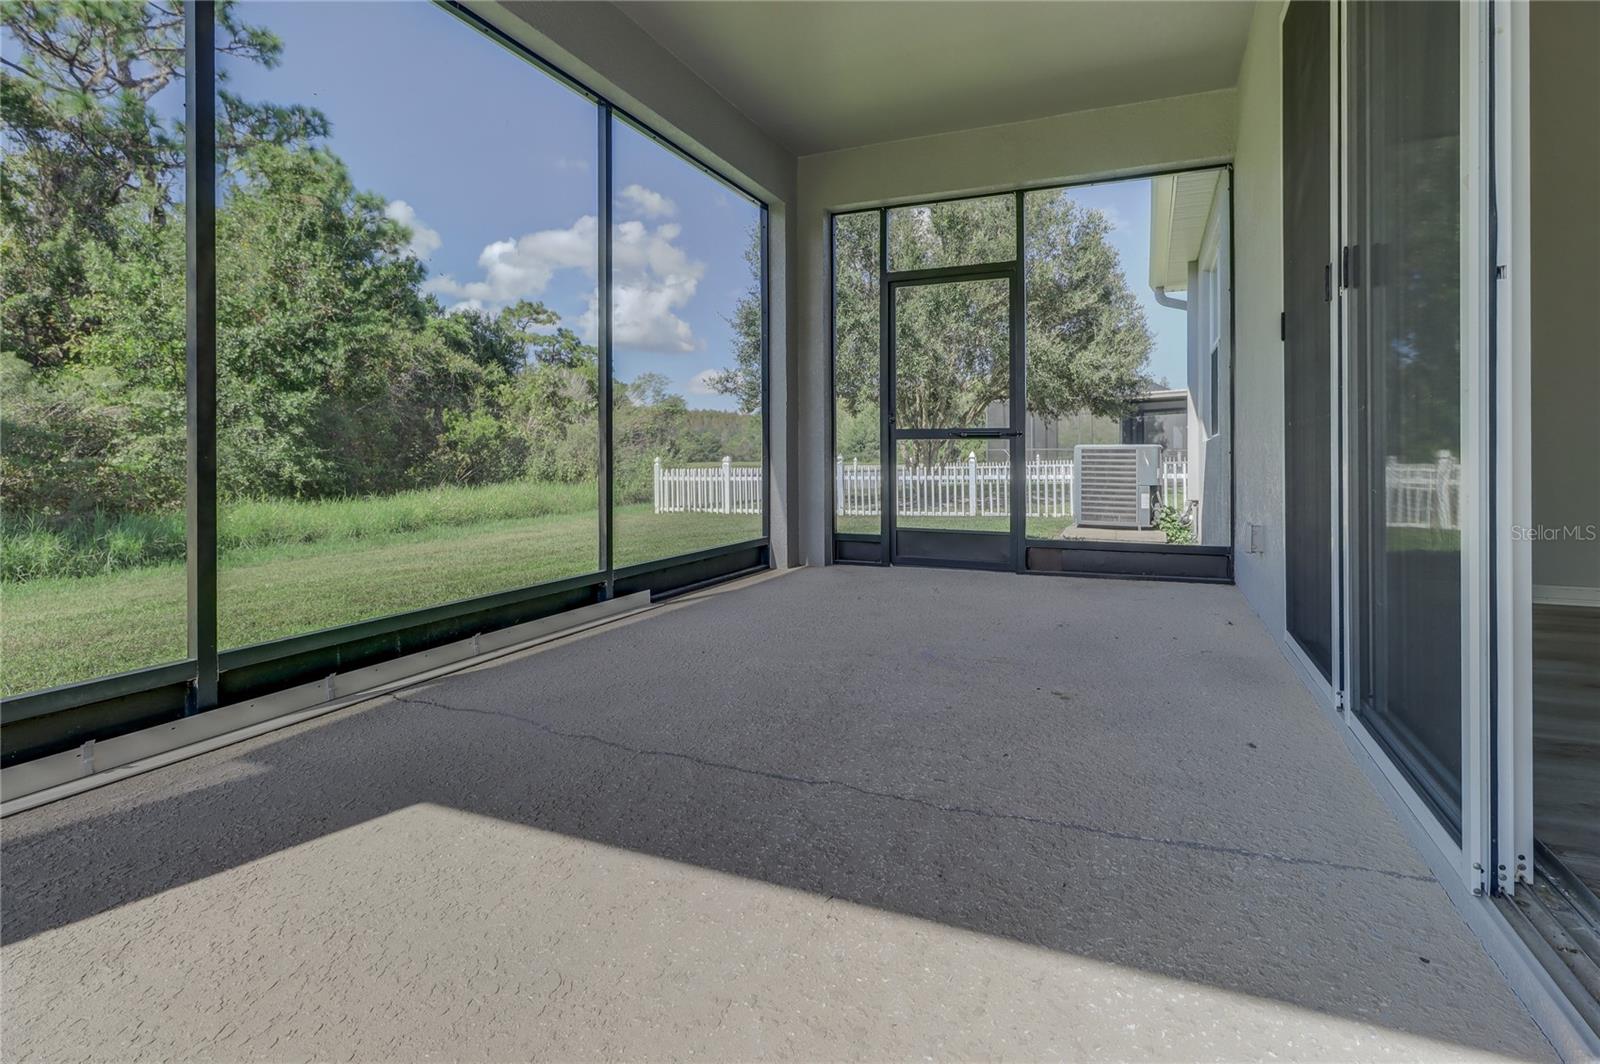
(96, 545)
(66, 629)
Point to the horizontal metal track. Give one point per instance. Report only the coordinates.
(50, 721)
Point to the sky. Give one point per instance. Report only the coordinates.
(490, 162)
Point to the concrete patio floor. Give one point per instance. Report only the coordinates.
(837, 814)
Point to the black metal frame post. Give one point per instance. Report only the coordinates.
(200, 325)
(766, 378)
(888, 487)
(1018, 447)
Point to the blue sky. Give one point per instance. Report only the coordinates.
(491, 163)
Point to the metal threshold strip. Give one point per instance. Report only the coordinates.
(1558, 919)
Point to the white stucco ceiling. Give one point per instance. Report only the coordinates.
(819, 76)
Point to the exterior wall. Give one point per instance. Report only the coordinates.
(599, 45)
(1184, 131)
(1258, 299)
(1565, 154)
(1195, 368)
(1214, 363)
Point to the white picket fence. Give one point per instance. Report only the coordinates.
(1423, 494)
(719, 489)
(1418, 494)
(977, 489)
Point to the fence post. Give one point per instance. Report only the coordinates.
(838, 485)
(972, 483)
(1392, 497)
(655, 493)
(727, 484)
(1441, 490)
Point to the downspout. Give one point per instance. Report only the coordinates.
(1170, 301)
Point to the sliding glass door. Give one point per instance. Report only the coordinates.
(1401, 267)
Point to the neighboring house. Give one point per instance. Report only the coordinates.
(1157, 417)
(1160, 416)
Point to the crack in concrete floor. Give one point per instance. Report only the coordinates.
(926, 803)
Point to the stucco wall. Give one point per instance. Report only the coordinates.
(603, 48)
(1565, 148)
(1107, 142)
(1258, 299)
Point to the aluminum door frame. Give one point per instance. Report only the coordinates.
(1014, 557)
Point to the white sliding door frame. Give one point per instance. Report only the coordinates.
(1513, 458)
(1477, 455)
(1471, 856)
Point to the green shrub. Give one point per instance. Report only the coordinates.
(1175, 524)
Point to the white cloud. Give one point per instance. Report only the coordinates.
(648, 202)
(521, 268)
(424, 239)
(652, 279)
(700, 383)
(580, 166)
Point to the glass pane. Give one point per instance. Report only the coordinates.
(687, 356)
(407, 391)
(952, 355)
(92, 356)
(1122, 404)
(857, 475)
(957, 233)
(1405, 290)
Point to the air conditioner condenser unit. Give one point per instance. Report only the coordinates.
(1113, 484)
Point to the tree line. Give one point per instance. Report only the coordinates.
(338, 375)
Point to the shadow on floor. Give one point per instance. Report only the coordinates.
(1125, 772)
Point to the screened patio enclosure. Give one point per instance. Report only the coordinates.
(950, 438)
(373, 476)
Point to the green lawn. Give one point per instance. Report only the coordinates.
(61, 630)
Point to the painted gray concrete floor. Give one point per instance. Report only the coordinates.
(838, 814)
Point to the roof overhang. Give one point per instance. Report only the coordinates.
(1180, 206)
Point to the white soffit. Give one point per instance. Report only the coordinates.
(820, 76)
(1180, 204)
